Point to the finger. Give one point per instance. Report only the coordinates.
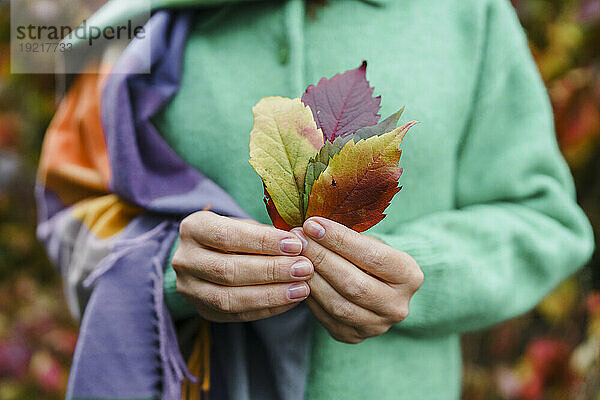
(241, 270)
(340, 332)
(233, 235)
(351, 282)
(339, 307)
(379, 259)
(266, 313)
(236, 300)
(248, 316)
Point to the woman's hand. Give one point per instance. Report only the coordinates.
(360, 286)
(237, 270)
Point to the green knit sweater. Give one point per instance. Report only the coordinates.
(487, 207)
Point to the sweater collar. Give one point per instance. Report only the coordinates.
(115, 11)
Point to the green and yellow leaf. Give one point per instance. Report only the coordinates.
(283, 140)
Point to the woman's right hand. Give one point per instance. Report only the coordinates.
(239, 270)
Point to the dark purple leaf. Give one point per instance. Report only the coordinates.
(343, 104)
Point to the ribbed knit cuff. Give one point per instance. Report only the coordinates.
(177, 305)
(434, 261)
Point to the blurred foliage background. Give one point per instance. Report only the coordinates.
(551, 353)
(554, 351)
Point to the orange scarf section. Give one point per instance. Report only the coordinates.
(199, 366)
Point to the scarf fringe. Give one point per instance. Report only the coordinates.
(175, 370)
(199, 365)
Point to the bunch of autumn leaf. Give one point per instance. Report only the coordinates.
(326, 154)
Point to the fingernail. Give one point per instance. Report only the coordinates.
(302, 269)
(298, 291)
(298, 232)
(314, 229)
(291, 246)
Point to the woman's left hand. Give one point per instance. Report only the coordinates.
(361, 286)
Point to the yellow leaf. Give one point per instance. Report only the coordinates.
(283, 139)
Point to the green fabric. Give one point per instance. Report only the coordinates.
(177, 305)
(118, 11)
(487, 206)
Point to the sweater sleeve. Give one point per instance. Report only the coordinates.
(517, 231)
(178, 307)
